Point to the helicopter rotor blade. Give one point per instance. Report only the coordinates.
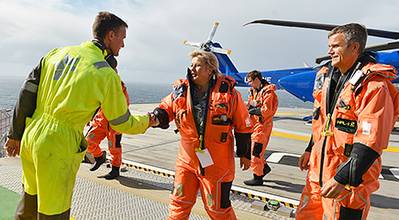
(327, 27)
(208, 45)
(212, 33)
(221, 50)
(387, 46)
(321, 59)
(380, 47)
(193, 44)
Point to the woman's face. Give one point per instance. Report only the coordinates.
(200, 71)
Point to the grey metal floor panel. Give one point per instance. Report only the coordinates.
(95, 201)
(92, 200)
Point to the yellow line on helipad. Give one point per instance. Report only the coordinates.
(291, 136)
(392, 149)
(299, 112)
(289, 114)
(306, 138)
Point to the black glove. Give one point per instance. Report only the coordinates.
(255, 111)
(257, 149)
(360, 160)
(243, 144)
(162, 117)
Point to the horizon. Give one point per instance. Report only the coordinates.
(155, 35)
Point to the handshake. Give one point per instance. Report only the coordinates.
(159, 118)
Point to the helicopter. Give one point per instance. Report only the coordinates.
(297, 81)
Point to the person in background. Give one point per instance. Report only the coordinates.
(355, 108)
(206, 108)
(262, 105)
(58, 98)
(99, 129)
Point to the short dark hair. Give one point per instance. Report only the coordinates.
(254, 74)
(105, 22)
(353, 32)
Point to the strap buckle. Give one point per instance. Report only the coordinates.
(327, 131)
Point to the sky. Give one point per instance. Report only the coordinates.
(154, 52)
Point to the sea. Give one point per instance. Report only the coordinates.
(140, 93)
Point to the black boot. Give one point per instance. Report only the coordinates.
(258, 180)
(99, 160)
(113, 174)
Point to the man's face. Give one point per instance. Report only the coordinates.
(343, 54)
(255, 83)
(200, 72)
(116, 40)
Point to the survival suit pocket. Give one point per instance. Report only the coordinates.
(221, 120)
(346, 125)
(220, 107)
(346, 120)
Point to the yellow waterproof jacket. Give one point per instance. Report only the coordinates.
(56, 101)
(69, 85)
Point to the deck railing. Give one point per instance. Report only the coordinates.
(5, 122)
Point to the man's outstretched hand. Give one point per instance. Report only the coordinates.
(12, 147)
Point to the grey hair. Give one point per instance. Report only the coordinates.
(353, 32)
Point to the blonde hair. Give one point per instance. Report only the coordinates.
(208, 58)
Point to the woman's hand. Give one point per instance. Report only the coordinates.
(303, 162)
(245, 163)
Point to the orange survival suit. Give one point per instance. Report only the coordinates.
(349, 135)
(101, 129)
(266, 101)
(224, 111)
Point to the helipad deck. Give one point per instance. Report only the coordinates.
(142, 192)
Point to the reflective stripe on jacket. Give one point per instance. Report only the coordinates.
(75, 81)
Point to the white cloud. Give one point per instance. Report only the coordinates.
(154, 52)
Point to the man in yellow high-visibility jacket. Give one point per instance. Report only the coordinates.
(56, 101)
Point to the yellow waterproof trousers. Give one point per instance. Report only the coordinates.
(51, 153)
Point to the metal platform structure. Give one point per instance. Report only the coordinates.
(142, 192)
(137, 194)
